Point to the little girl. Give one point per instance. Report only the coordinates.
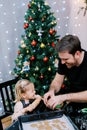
(26, 99)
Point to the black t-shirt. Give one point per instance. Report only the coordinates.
(77, 76)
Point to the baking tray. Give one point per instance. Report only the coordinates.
(53, 120)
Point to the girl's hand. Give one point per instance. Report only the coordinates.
(30, 108)
(37, 96)
(35, 103)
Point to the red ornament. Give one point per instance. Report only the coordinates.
(51, 31)
(19, 52)
(33, 43)
(30, 18)
(45, 59)
(32, 58)
(41, 76)
(42, 19)
(63, 86)
(53, 44)
(29, 5)
(26, 25)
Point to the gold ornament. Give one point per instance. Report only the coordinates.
(23, 45)
(42, 45)
(33, 11)
(22, 42)
(49, 69)
(53, 22)
(29, 34)
(46, 3)
(27, 51)
(27, 75)
(37, 68)
(33, 2)
(33, 74)
(21, 71)
(16, 59)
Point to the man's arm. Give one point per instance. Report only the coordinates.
(57, 83)
(76, 97)
(54, 87)
(80, 97)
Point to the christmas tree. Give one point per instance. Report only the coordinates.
(36, 58)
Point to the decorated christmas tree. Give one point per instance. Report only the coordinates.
(36, 58)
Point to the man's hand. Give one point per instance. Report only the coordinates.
(55, 100)
(48, 96)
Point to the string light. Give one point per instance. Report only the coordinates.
(54, 3)
(13, 12)
(14, 4)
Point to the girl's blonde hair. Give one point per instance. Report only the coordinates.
(21, 87)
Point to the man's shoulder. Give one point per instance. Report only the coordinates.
(85, 55)
(85, 58)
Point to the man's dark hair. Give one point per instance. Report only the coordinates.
(69, 43)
